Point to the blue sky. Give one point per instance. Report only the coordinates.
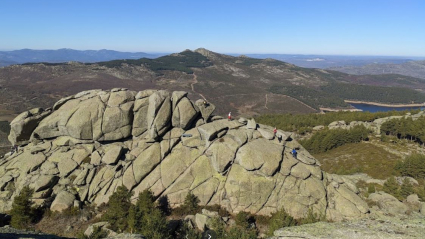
(334, 27)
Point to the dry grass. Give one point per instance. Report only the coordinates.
(69, 223)
(361, 157)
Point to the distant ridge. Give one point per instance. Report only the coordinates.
(411, 68)
(243, 85)
(65, 55)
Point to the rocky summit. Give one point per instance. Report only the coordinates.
(86, 145)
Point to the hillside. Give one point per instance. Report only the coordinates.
(245, 86)
(412, 68)
(4, 143)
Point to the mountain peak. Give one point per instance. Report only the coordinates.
(205, 52)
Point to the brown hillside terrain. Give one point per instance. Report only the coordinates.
(238, 84)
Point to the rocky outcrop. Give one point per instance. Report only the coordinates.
(95, 141)
(374, 126)
(24, 124)
(388, 227)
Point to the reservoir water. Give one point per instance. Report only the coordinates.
(375, 108)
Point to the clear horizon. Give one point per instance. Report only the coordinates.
(360, 28)
(226, 53)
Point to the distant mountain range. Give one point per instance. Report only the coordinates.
(411, 68)
(328, 61)
(310, 61)
(65, 55)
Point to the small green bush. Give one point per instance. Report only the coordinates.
(280, 219)
(21, 212)
(241, 219)
(406, 188)
(261, 219)
(371, 188)
(391, 187)
(222, 212)
(311, 217)
(97, 233)
(241, 233)
(420, 191)
(186, 232)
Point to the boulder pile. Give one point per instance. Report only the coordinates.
(87, 145)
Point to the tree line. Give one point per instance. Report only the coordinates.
(325, 140)
(406, 128)
(180, 62)
(304, 123)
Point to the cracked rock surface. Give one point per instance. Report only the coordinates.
(89, 144)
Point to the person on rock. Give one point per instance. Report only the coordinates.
(229, 116)
(205, 103)
(294, 153)
(279, 137)
(274, 132)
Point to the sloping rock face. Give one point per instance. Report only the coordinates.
(93, 142)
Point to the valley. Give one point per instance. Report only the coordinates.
(245, 86)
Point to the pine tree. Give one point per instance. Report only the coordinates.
(154, 225)
(191, 203)
(219, 227)
(119, 206)
(146, 218)
(21, 209)
(132, 219)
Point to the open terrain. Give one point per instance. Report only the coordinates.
(245, 86)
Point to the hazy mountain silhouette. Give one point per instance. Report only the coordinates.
(65, 55)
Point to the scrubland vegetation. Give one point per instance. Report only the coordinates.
(304, 123)
(151, 218)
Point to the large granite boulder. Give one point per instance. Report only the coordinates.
(95, 141)
(62, 201)
(24, 124)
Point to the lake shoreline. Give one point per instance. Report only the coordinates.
(383, 104)
(338, 110)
